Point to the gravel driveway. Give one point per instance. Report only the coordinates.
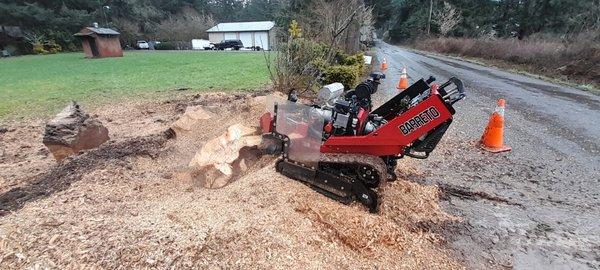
(537, 207)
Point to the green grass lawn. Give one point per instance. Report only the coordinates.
(33, 85)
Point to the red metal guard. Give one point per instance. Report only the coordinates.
(391, 138)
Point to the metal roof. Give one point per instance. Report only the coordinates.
(97, 30)
(242, 27)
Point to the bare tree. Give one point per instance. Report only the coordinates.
(447, 18)
(332, 20)
(367, 26)
(429, 18)
(185, 27)
(130, 31)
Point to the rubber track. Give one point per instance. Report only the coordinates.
(372, 161)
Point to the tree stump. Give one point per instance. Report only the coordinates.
(192, 117)
(73, 130)
(224, 158)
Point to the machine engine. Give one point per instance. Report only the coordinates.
(346, 113)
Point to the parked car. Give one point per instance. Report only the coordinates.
(235, 44)
(142, 45)
(202, 44)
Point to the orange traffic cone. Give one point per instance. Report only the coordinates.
(493, 136)
(403, 83)
(384, 65)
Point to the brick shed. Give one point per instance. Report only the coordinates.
(100, 42)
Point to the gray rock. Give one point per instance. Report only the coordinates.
(73, 130)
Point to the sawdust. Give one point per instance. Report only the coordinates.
(146, 211)
(63, 175)
(22, 154)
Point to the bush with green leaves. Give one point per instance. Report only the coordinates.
(344, 74)
(71, 47)
(349, 60)
(346, 69)
(165, 46)
(53, 47)
(38, 48)
(304, 65)
(297, 65)
(300, 53)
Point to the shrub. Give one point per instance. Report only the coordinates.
(53, 47)
(320, 64)
(36, 41)
(38, 48)
(303, 51)
(347, 75)
(346, 70)
(298, 64)
(578, 57)
(295, 30)
(165, 46)
(357, 60)
(349, 60)
(302, 64)
(72, 47)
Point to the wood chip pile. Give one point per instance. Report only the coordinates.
(148, 211)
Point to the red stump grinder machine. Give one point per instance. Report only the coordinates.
(343, 148)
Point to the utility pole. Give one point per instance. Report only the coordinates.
(429, 20)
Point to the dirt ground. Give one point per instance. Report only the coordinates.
(132, 204)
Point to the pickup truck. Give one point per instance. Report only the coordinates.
(235, 44)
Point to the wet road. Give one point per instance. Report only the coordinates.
(552, 174)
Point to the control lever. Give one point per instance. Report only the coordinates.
(430, 80)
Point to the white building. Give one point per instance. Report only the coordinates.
(252, 34)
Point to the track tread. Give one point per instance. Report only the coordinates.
(373, 161)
